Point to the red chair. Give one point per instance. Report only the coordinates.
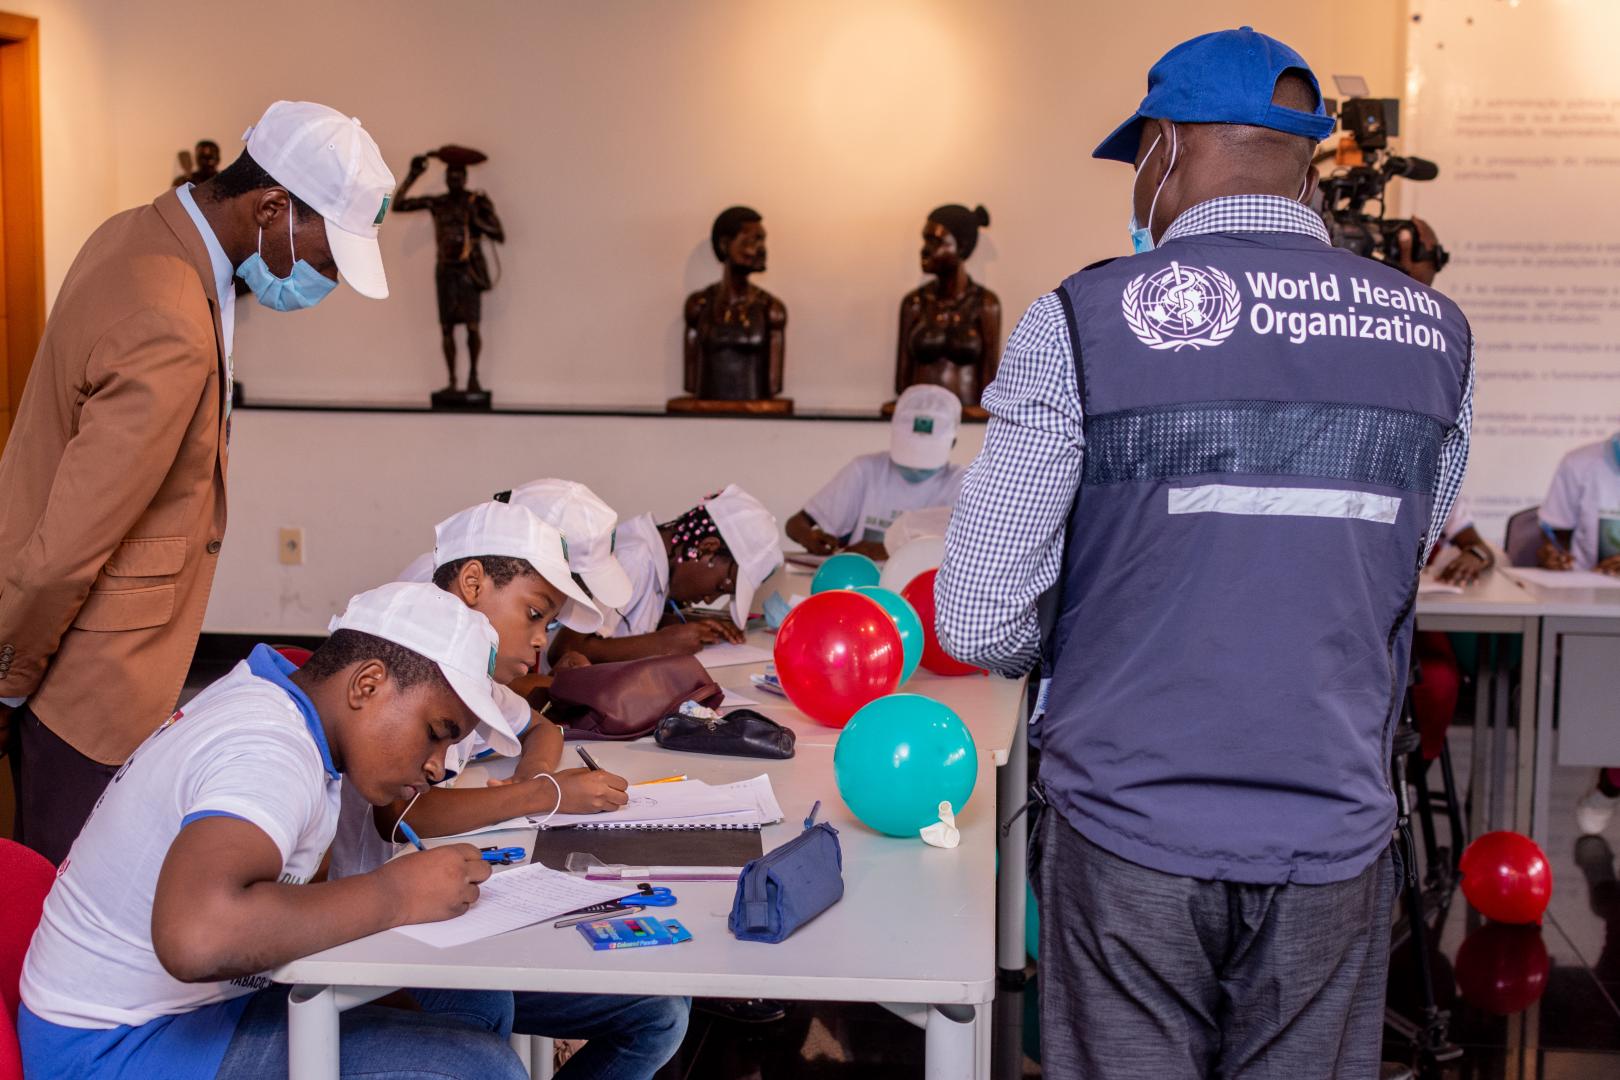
(25, 878)
(298, 655)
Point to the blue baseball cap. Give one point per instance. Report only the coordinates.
(1227, 77)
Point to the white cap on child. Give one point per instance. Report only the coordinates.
(923, 430)
(432, 623)
(501, 529)
(589, 525)
(329, 161)
(752, 535)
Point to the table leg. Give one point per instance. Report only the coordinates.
(1535, 735)
(951, 1041)
(1488, 663)
(312, 1026)
(1012, 790)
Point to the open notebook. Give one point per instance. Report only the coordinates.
(682, 805)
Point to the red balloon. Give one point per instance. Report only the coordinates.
(1503, 969)
(837, 651)
(921, 594)
(1506, 877)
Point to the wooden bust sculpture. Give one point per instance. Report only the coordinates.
(735, 331)
(950, 328)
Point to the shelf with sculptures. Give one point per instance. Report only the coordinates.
(734, 341)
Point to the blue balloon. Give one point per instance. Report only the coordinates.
(899, 757)
(846, 570)
(906, 621)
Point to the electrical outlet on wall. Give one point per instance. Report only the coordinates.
(290, 544)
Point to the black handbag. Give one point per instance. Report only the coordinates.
(740, 732)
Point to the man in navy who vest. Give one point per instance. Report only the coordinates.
(1230, 454)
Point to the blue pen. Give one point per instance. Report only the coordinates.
(1552, 538)
(410, 834)
(676, 608)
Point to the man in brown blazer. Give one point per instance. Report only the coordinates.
(112, 486)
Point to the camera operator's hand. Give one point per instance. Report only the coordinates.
(1422, 272)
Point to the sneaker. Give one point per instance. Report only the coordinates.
(1594, 812)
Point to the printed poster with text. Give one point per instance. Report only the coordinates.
(1519, 104)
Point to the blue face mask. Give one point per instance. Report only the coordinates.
(917, 476)
(303, 288)
(1142, 235)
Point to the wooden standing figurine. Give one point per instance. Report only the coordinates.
(950, 328)
(735, 330)
(461, 220)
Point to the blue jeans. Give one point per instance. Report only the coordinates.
(382, 1042)
(627, 1038)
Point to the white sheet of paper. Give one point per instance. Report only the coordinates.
(735, 699)
(513, 899)
(1429, 586)
(1562, 579)
(726, 655)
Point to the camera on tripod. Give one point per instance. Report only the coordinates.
(1362, 175)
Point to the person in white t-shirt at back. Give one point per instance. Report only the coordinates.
(854, 510)
(1582, 508)
(187, 882)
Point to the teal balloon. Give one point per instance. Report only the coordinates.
(899, 757)
(1032, 924)
(846, 570)
(905, 620)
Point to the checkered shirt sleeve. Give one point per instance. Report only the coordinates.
(1453, 460)
(1004, 547)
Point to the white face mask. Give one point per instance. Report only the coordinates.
(1142, 235)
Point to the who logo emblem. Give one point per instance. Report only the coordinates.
(1182, 307)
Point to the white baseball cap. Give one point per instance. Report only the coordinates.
(924, 427)
(432, 623)
(496, 528)
(328, 160)
(589, 526)
(752, 536)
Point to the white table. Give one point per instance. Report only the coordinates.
(993, 710)
(914, 932)
(1542, 618)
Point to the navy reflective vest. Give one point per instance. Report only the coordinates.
(1263, 422)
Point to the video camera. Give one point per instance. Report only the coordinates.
(1349, 188)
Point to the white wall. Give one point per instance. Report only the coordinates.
(616, 132)
(369, 509)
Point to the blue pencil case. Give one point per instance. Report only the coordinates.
(787, 887)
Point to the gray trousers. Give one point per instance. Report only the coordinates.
(1145, 974)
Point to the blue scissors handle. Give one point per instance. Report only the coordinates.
(502, 856)
(649, 896)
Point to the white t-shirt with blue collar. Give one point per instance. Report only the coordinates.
(97, 1003)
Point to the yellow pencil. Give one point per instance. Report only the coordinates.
(661, 780)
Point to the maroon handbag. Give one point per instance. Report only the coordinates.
(627, 699)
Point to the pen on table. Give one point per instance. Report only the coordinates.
(586, 758)
(410, 834)
(660, 780)
(676, 608)
(1552, 538)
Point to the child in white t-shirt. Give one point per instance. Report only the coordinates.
(1582, 508)
(186, 884)
(511, 567)
(727, 545)
(855, 509)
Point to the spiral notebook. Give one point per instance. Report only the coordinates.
(681, 806)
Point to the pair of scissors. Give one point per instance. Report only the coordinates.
(502, 856)
(644, 897)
